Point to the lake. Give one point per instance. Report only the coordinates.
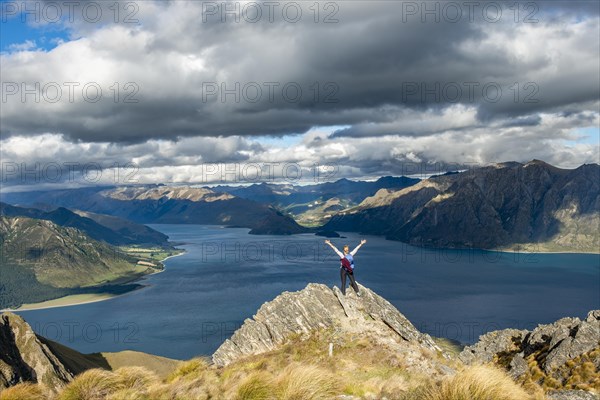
(226, 274)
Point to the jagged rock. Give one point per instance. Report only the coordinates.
(571, 395)
(518, 366)
(593, 316)
(552, 344)
(24, 358)
(319, 307)
(492, 344)
(544, 334)
(586, 338)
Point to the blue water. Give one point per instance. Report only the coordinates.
(226, 274)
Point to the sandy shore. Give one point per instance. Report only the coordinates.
(78, 299)
(71, 300)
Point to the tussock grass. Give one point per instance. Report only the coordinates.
(93, 384)
(23, 391)
(135, 378)
(258, 386)
(192, 369)
(299, 381)
(129, 394)
(127, 383)
(302, 369)
(579, 373)
(480, 382)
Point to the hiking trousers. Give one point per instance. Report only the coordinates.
(343, 274)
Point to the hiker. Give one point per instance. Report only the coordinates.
(347, 265)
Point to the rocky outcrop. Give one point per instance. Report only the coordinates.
(571, 395)
(319, 307)
(552, 348)
(24, 358)
(493, 344)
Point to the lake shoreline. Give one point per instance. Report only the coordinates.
(87, 298)
(529, 248)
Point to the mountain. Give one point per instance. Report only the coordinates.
(313, 205)
(28, 357)
(534, 206)
(276, 223)
(132, 232)
(112, 230)
(42, 260)
(286, 194)
(166, 205)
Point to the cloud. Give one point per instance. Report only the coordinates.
(188, 85)
(27, 45)
(36, 161)
(187, 77)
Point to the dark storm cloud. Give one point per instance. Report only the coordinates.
(377, 64)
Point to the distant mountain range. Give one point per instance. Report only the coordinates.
(313, 205)
(167, 205)
(533, 205)
(265, 208)
(113, 230)
(285, 195)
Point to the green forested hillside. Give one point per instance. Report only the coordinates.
(41, 261)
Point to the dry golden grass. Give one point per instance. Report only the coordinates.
(300, 381)
(129, 394)
(297, 381)
(257, 386)
(473, 383)
(192, 369)
(93, 384)
(23, 391)
(135, 378)
(299, 370)
(579, 373)
(127, 383)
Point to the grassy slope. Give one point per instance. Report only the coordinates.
(301, 369)
(78, 362)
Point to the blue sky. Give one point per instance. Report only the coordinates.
(590, 135)
(20, 28)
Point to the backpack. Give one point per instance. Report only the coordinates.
(346, 265)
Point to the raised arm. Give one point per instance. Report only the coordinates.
(339, 253)
(353, 252)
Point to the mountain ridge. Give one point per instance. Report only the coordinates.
(161, 204)
(109, 229)
(505, 206)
